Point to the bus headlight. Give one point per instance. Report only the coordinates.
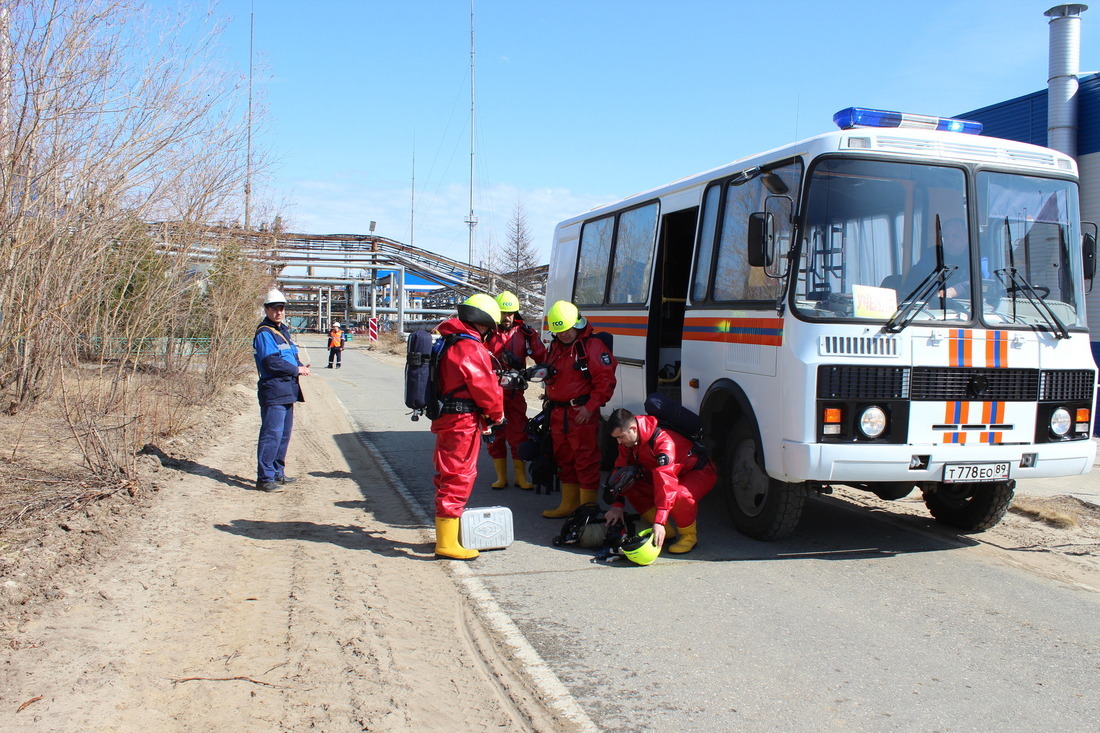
(1060, 421)
(872, 421)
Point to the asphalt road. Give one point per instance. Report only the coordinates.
(861, 622)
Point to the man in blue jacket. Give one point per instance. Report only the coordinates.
(278, 389)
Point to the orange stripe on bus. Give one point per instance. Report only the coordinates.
(736, 338)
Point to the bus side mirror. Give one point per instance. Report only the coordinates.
(1088, 255)
(760, 235)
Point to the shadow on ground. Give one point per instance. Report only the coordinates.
(196, 469)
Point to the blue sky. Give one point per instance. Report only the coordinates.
(582, 102)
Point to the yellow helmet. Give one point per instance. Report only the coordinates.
(641, 549)
(508, 302)
(480, 309)
(562, 316)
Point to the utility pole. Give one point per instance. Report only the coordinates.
(471, 220)
(248, 133)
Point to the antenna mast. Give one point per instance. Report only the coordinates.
(248, 145)
(471, 220)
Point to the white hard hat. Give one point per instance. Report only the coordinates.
(274, 297)
(336, 324)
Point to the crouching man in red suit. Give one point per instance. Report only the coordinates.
(672, 481)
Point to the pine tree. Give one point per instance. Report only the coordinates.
(518, 255)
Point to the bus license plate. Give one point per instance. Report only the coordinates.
(956, 473)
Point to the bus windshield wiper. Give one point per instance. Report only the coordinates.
(916, 301)
(1020, 284)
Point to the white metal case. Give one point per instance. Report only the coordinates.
(486, 528)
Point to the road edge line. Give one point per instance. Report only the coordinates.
(553, 691)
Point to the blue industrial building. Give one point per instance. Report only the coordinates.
(1064, 116)
(1025, 118)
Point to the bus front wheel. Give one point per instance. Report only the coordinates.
(760, 506)
(970, 507)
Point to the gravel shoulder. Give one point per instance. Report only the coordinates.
(213, 606)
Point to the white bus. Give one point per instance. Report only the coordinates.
(898, 304)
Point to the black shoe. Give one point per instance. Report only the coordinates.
(269, 486)
(337, 366)
(285, 480)
(329, 366)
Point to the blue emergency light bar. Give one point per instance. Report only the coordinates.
(851, 117)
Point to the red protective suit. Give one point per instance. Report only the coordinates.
(672, 483)
(577, 445)
(520, 341)
(466, 367)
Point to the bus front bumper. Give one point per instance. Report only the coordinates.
(858, 463)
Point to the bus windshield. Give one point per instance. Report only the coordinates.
(1029, 250)
(883, 239)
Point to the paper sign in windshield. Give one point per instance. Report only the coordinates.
(871, 302)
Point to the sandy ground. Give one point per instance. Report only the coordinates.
(224, 608)
(1066, 550)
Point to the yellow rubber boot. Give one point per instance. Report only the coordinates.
(570, 500)
(588, 496)
(670, 529)
(520, 469)
(446, 540)
(688, 540)
(501, 465)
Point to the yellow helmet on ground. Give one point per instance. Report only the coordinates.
(480, 309)
(508, 302)
(640, 549)
(562, 316)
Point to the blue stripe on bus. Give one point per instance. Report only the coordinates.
(735, 329)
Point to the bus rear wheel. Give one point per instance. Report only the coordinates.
(760, 506)
(970, 507)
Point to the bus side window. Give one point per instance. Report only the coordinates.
(633, 258)
(707, 233)
(735, 278)
(592, 261)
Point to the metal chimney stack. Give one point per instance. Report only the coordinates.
(1065, 55)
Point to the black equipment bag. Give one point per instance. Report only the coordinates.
(671, 415)
(422, 359)
(538, 450)
(585, 527)
(674, 416)
(418, 376)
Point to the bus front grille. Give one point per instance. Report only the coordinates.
(953, 384)
(1066, 386)
(862, 383)
(937, 384)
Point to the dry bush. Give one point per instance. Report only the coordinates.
(118, 119)
(389, 343)
(1044, 510)
(122, 142)
(86, 444)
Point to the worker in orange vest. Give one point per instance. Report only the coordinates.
(335, 345)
